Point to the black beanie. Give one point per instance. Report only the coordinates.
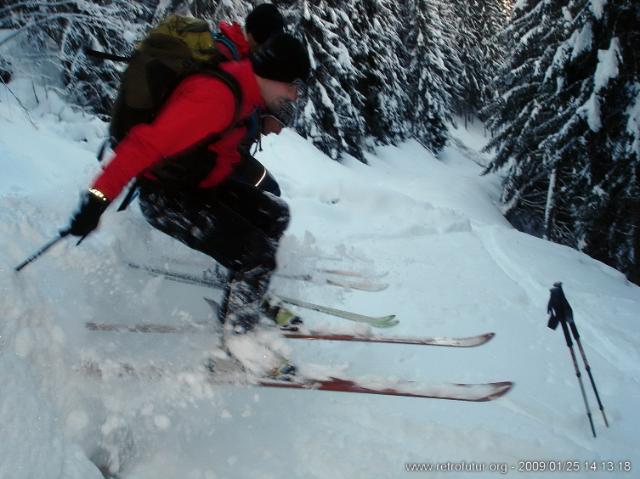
(282, 58)
(263, 21)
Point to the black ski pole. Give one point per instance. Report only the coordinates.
(559, 309)
(588, 368)
(576, 336)
(567, 336)
(42, 250)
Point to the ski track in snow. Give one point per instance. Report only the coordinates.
(429, 227)
(489, 236)
(537, 293)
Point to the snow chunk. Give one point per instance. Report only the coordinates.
(581, 41)
(113, 423)
(607, 69)
(519, 4)
(559, 58)
(591, 111)
(608, 63)
(77, 420)
(32, 442)
(326, 100)
(24, 343)
(344, 58)
(259, 351)
(633, 124)
(597, 7)
(162, 422)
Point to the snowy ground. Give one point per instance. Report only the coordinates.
(455, 267)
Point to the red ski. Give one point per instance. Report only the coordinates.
(454, 392)
(227, 372)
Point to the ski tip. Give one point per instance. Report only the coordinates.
(479, 340)
(495, 390)
(384, 321)
(487, 337)
(501, 388)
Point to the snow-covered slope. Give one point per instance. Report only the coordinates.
(454, 265)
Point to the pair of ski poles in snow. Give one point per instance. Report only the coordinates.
(560, 312)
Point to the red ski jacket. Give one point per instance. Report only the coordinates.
(199, 108)
(233, 31)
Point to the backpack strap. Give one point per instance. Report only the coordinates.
(222, 38)
(106, 55)
(233, 85)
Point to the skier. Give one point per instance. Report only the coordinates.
(184, 161)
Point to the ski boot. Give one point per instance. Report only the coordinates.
(286, 372)
(259, 355)
(284, 318)
(256, 349)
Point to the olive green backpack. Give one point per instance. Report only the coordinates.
(174, 49)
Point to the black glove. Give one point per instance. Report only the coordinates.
(86, 218)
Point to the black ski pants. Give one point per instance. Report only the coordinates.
(252, 172)
(237, 224)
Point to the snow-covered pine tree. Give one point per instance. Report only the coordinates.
(467, 41)
(520, 108)
(427, 73)
(478, 23)
(59, 31)
(230, 10)
(494, 16)
(567, 121)
(380, 56)
(331, 110)
(210, 10)
(450, 52)
(597, 70)
(213, 11)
